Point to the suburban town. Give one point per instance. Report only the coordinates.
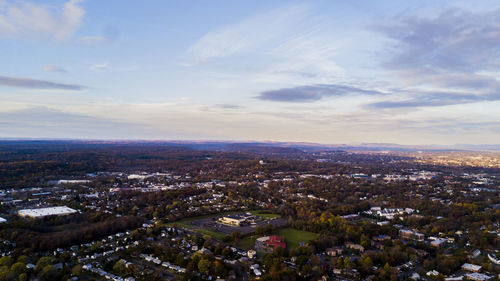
(244, 140)
(210, 215)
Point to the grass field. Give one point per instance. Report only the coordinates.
(213, 234)
(247, 243)
(294, 237)
(264, 215)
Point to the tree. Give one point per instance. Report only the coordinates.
(42, 263)
(235, 235)
(226, 252)
(220, 270)
(18, 268)
(366, 265)
(204, 266)
(119, 267)
(22, 277)
(76, 270)
(49, 273)
(5, 260)
(23, 259)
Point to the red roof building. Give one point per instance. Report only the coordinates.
(275, 242)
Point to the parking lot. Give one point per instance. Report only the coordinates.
(213, 225)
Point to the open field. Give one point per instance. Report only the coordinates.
(247, 243)
(295, 237)
(265, 215)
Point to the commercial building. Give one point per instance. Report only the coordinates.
(410, 234)
(275, 242)
(237, 219)
(44, 212)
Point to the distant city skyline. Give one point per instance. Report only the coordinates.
(331, 72)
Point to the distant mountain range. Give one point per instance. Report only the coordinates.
(266, 147)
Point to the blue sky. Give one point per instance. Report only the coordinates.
(409, 72)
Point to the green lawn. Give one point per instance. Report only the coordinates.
(247, 243)
(213, 234)
(265, 215)
(294, 237)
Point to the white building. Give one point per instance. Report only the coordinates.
(44, 212)
(477, 276)
(471, 267)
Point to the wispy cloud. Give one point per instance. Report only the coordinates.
(101, 66)
(447, 59)
(21, 19)
(53, 68)
(90, 40)
(28, 83)
(109, 35)
(245, 35)
(434, 99)
(53, 123)
(455, 40)
(228, 106)
(313, 93)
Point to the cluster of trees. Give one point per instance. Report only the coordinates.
(65, 235)
(45, 268)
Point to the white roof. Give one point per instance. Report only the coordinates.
(2, 220)
(43, 212)
(477, 276)
(471, 267)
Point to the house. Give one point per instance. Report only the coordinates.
(334, 251)
(251, 253)
(354, 246)
(471, 267)
(381, 238)
(257, 272)
(415, 276)
(457, 278)
(432, 273)
(411, 235)
(474, 254)
(439, 242)
(477, 276)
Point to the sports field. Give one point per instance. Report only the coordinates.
(294, 237)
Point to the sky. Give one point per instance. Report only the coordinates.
(324, 71)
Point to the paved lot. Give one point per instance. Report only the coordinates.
(213, 225)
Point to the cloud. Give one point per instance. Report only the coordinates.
(109, 35)
(101, 66)
(46, 122)
(454, 40)
(90, 40)
(53, 68)
(447, 59)
(435, 99)
(313, 93)
(23, 19)
(245, 35)
(28, 83)
(228, 106)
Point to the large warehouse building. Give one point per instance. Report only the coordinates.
(44, 212)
